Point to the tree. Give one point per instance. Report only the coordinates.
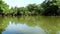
(4, 8)
(23, 10)
(34, 9)
(50, 8)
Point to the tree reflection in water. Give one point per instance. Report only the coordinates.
(49, 25)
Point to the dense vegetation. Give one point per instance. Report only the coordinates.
(46, 8)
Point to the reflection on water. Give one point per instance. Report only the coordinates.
(22, 29)
(30, 25)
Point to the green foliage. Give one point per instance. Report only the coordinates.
(23, 10)
(47, 8)
(50, 8)
(34, 9)
(4, 8)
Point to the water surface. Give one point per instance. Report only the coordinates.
(30, 25)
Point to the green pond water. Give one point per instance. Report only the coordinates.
(30, 25)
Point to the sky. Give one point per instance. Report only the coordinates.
(21, 3)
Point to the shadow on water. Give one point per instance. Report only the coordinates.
(30, 25)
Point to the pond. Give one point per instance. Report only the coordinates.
(30, 25)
